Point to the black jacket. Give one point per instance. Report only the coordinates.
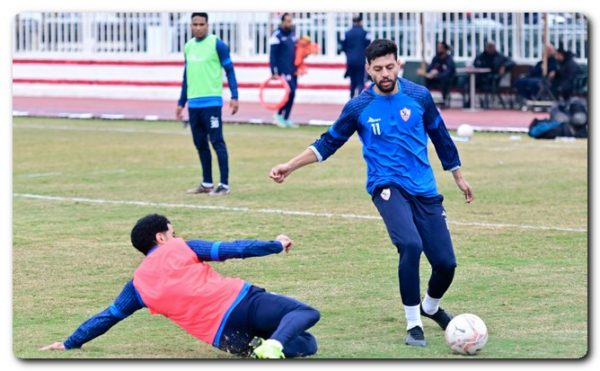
(445, 67)
(493, 61)
(565, 77)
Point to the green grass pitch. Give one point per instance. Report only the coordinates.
(522, 246)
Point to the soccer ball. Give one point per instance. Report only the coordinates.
(466, 334)
(465, 131)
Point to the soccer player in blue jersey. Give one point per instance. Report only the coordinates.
(226, 312)
(394, 118)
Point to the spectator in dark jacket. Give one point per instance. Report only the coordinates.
(354, 44)
(441, 71)
(528, 86)
(567, 72)
(493, 59)
(499, 65)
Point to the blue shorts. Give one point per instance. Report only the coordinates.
(264, 314)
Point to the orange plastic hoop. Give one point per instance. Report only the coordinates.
(267, 84)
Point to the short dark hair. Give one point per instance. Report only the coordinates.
(445, 45)
(283, 16)
(143, 234)
(198, 14)
(380, 47)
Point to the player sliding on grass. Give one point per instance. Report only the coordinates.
(393, 118)
(226, 312)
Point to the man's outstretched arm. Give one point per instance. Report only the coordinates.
(124, 305)
(280, 172)
(240, 249)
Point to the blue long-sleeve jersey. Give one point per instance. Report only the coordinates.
(394, 130)
(129, 300)
(201, 102)
(283, 52)
(354, 44)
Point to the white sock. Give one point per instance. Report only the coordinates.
(224, 185)
(430, 305)
(207, 185)
(413, 316)
(277, 343)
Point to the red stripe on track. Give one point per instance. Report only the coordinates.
(84, 62)
(95, 82)
(248, 85)
(98, 62)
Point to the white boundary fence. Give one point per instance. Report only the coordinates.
(157, 35)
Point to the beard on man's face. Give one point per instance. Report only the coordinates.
(386, 88)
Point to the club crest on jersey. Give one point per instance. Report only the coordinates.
(385, 194)
(405, 114)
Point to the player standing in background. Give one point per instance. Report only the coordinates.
(354, 44)
(202, 89)
(394, 119)
(226, 312)
(281, 60)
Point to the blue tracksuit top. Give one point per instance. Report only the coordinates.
(393, 130)
(283, 52)
(355, 42)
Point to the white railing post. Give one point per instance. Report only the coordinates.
(244, 37)
(331, 34)
(165, 33)
(517, 28)
(87, 35)
(14, 25)
(158, 34)
(420, 27)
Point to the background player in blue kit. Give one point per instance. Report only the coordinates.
(356, 40)
(281, 60)
(394, 118)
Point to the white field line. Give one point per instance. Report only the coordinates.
(56, 173)
(280, 212)
(186, 132)
(38, 175)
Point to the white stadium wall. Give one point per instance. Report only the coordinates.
(161, 78)
(139, 55)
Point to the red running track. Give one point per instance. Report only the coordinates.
(302, 113)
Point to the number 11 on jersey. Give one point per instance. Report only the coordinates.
(376, 129)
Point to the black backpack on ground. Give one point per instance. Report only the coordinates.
(549, 129)
(567, 119)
